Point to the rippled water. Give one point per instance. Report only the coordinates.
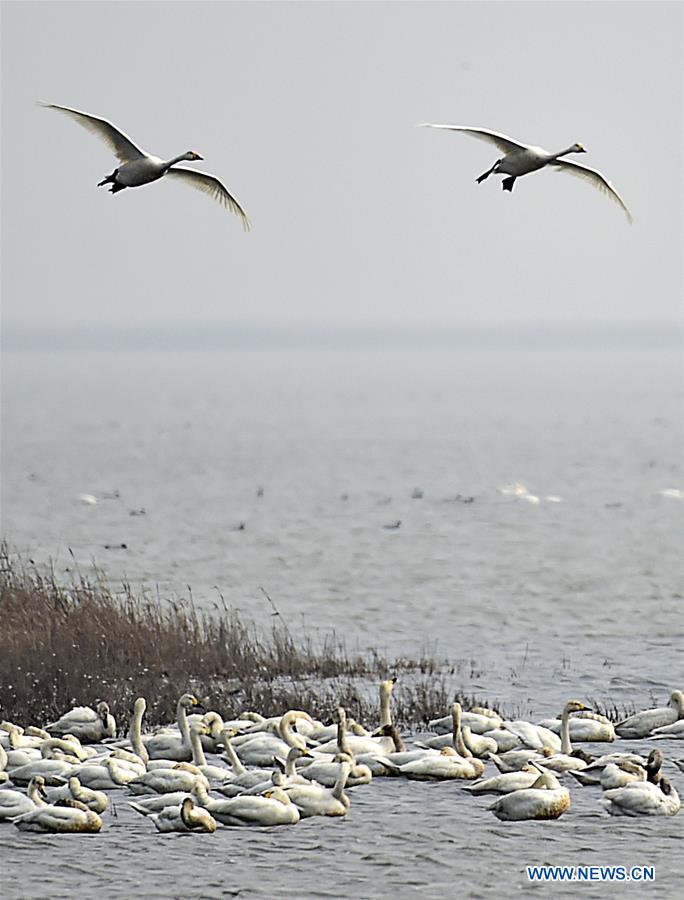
(534, 602)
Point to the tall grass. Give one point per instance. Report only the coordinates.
(73, 644)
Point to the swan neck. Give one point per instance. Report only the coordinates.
(458, 742)
(135, 733)
(183, 727)
(290, 768)
(342, 742)
(566, 745)
(235, 763)
(172, 162)
(385, 712)
(340, 781)
(288, 735)
(562, 153)
(198, 757)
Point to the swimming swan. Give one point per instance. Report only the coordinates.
(68, 816)
(545, 799)
(138, 168)
(520, 159)
(643, 723)
(174, 746)
(316, 800)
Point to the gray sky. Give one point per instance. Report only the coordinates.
(306, 111)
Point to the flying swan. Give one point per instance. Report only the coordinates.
(138, 168)
(520, 159)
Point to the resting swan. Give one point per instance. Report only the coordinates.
(68, 816)
(643, 799)
(90, 725)
(14, 803)
(565, 761)
(74, 790)
(546, 799)
(174, 746)
(272, 808)
(316, 800)
(643, 723)
(185, 817)
(138, 168)
(505, 784)
(520, 159)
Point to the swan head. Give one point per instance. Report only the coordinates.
(189, 701)
(102, 710)
(577, 148)
(576, 706)
(192, 156)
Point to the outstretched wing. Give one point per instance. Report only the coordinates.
(120, 144)
(209, 184)
(595, 178)
(505, 144)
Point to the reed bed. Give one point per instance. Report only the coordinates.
(76, 643)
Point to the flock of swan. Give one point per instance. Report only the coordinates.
(138, 167)
(278, 770)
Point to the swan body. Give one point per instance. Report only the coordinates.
(535, 737)
(615, 776)
(272, 808)
(259, 749)
(515, 760)
(52, 769)
(585, 729)
(165, 781)
(97, 801)
(445, 765)
(504, 739)
(107, 775)
(326, 773)
(674, 732)
(14, 803)
(479, 721)
(317, 800)
(629, 761)
(67, 817)
(546, 799)
(643, 723)
(643, 799)
(174, 746)
(504, 784)
(138, 168)
(521, 159)
(185, 817)
(89, 725)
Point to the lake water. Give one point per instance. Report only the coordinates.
(283, 468)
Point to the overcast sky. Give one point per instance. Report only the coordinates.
(307, 112)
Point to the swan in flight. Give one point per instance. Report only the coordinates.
(138, 168)
(520, 159)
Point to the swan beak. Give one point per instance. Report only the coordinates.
(581, 149)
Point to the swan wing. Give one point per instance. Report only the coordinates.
(209, 184)
(120, 144)
(595, 178)
(504, 143)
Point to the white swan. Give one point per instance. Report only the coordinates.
(585, 727)
(520, 159)
(401, 754)
(184, 817)
(14, 803)
(515, 760)
(479, 719)
(68, 816)
(674, 732)
(546, 799)
(259, 749)
(95, 800)
(272, 808)
(565, 760)
(643, 723)
(217, 776)
(138, 168)
(52, 766)
(643, 799)
(90, 725)
(617, 776)
(505, 784)
(174, 746)
(316, 800)
(182, 777)
(444, 765)
(593, 772)
(104, 775)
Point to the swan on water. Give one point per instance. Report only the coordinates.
(565, 760)
(545, 799)
(674, 732)
(66, 817)
(182, 777)
(365, 751)
(184, 817)
(643, 723)
(585, 727)
(73, 789)
(506, 783)
(479, 719)
(14, 803)
(272, 808)
(594, 771)
(90, 725)
(174, 746)
(104, 775)
(401, 754)
(444, 765)
(520, 159)
(317, 800)
(138, 168)
(643, 798)
(259, 749)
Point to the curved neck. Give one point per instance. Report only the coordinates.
(200, 791)
(229, 750)
(399, 744)
(35, 794)
(457, 737)
(566, 746)
(288, 735)
(342, 742)
(340, 781)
